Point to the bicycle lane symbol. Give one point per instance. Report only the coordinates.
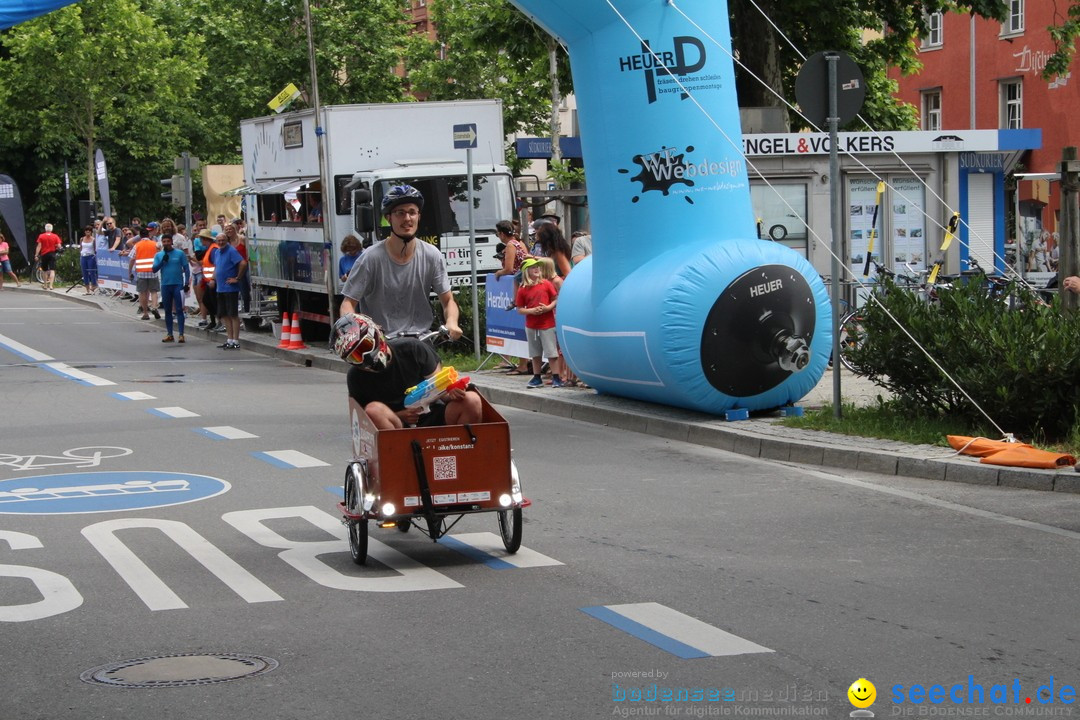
(91, 492)
(102, 491)
(81, 457)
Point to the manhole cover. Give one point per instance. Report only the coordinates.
(179, 670)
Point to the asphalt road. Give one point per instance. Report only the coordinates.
(647, 566)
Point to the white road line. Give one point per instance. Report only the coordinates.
(173, 412)
(225, 432)
(672, 631)
(290, 459)
(687, 630)
(133, 396)
(65, 370)
(27, 353)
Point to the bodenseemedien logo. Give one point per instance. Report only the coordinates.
(862, 695)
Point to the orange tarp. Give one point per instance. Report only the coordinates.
(999, 452)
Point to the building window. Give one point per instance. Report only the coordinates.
(931, 110)
(1012, 105)
(781, 212)
(933, 37)
(1014, 25)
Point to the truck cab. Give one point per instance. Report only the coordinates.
(445, 220)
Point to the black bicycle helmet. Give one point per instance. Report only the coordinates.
(399, 195)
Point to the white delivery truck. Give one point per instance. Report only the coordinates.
(369, 149)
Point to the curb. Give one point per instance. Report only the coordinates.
(758, 437)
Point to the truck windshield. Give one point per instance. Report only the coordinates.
(446, 202)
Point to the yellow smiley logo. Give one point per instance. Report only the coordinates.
(862, 693)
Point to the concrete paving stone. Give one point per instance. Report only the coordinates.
(746, 444)
(839, 457)
(709, 436)
(553, 406)
(918, 467)
(972, 473)
(667, 428)
(807, 453)
(1066, 482)
(775, 449)
(602, 416)
(1029, 479)
(882, 463)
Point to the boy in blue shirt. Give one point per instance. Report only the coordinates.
(229, 269)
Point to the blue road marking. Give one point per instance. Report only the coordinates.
(90, 492)
(267, 458)
(475, 553)
(209, 433)
(643, 632)
(66, 376)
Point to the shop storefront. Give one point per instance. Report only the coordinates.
(927, 176)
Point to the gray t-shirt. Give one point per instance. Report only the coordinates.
(582, 246)
(397, 296)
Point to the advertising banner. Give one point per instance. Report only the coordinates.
(113, 271)
(103, 181)
(11, 210)
(505, 325)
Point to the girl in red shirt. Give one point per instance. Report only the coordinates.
(536, 299)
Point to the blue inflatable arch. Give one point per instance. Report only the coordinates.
(679, 303)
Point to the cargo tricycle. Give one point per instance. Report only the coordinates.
(430, 478)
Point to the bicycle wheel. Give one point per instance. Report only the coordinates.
(510, 529)
(851, 337)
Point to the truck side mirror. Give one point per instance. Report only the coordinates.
(363, 212)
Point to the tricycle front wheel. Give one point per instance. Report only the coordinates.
(355, 479)
(510, 529)
(358, 538)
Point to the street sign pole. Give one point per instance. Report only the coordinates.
(465, 139)
(324, 180)
(834, 202)
(831, 90)
(472, 254)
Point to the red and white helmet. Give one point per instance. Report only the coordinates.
(362, 342)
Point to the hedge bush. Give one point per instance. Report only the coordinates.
(1020, 364)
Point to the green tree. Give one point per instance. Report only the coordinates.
(1064, 37)
(488, 49)
(771, 63)
(97, 74)
(254, 48)
(146, 79)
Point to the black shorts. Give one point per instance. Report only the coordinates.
(48, 261)
(228, 304)
(436, 415)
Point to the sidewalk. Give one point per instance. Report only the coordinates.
(757, 437)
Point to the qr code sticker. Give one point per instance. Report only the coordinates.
(446, 468)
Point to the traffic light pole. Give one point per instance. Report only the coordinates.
(327, 205)
(186, 162)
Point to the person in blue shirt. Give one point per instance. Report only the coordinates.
(350, 251)
(229, 269)
(175, 271)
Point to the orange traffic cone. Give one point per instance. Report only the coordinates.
(296, 342)
(286, 332)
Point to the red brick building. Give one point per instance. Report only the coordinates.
(996, 82)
